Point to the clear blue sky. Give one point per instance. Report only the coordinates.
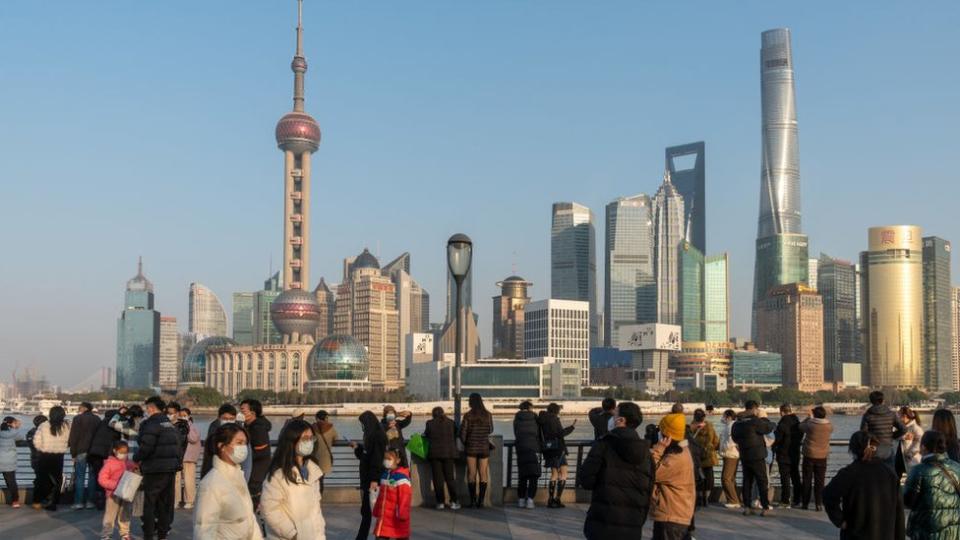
(131, 128)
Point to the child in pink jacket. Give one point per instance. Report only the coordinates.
(116, 510)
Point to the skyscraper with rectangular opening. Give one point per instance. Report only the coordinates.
(687, 164)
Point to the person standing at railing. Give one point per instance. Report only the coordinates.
(81, 434)
(731, 458)
(863, 499)
(101, 448)
(705, 436)
(393, 425)
(475, 434)
(157, 459)
(885, 425)
(9, 435)
(816, 431)
(932, 492)
(326, 435)
(600, 417)
(186, 480)
(258, 428)
(226, 414)
(619, 473)
(786, 451)
(526, 442)
(223, 510)
(749, 433)
(440, 433)
(116, 511)
(370, 453)
(944, 422)
(290, 504)
(909, 452)
(674, 489)
(52, 441)
(552, 433)
(34, 453)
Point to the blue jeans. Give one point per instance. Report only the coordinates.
(82, 485)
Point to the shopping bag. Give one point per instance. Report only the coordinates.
(418, 446)
(136, 509)
(127, 486)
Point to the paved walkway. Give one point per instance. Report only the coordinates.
(489, 523)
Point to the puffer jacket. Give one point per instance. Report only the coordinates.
(392, 509)
(158, 446)
(933, 500)
(48, 443)
(749, 433)
(619, 472)
(475, 433)
(551, 428)
(674, 487)
(84, 426)
(599, 419)
(706, 438)
(8, 449)
(885, 425)
(101, 443)
(728, 448)
(292, 510)
(194, 447)
(789, 438)
(224, 511)
(443, 441)
(816, 437)
(111, 473)
(526, 435)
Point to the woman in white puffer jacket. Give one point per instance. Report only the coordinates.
(910, 443)
(224, 509)
(290, 503)
(731, 457)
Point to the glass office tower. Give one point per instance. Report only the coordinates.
(687, 166)
(716, 293)
(138, 336)
(836, 283)
(630, 293)
(573, 258)
(668, 215)
(937, 319)
(691, 293)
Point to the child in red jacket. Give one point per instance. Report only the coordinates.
(393, 503)
(116, 510)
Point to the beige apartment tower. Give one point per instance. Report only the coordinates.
(892, 307)
(790, 322)
(508, 317)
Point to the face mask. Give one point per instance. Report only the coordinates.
(391, 417)
(305, 448)
(173, 418)
(122, 457)
(239, 454)
(388, 464)
(612, 423)
(225, 422)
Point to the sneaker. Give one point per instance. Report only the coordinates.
(454, 506)
(530, 505)
(88, 506)
(756, 505)
(441, 506)
(731, 505)
(521, 503)
(188, 506)
(15, 504)
(77, 506)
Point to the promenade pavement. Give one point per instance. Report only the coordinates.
(488, 523)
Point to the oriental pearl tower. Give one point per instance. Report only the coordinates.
(295, 312)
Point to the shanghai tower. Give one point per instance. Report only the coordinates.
(781, 246)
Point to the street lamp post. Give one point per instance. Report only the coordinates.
(459, 257)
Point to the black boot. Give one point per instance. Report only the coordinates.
(483, 494)
(472, 489)
(558, 503)
(551, 489)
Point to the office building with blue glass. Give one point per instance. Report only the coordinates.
(138, 335)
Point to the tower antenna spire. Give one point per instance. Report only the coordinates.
(140, 266)
(299, 64)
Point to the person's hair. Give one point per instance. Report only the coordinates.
(119, 444)
(699, 415)
(135, 411)
(944, 422)
(58, 420)
(86, 405)
(729, 413)
(7, 422)
(934, 441)
(786, 408)
(173, 405)
(553, 408)
(437, 413)
(389, 409)
(876, 397)
(476, 406)
(710, 407)
(285, 456)
(631, 413)
(370, 425)
(819, 412)
(526, 405)
(751, 404)
(910, 414)
(39, 419)
(395, 453)
(322, 415)
(255, 406)
(187, 410)
(226, 408)
(223, 435)
(676, 408)
(156, 402)
(863, 445)
(608, 404)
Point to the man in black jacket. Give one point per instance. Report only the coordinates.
(786, 450)
(101, 445)
(258, 428)
(748, 432)
(600, 417)
(158, 459)
(884, 424)
(619, 471)
(81, 433)
(227, 414)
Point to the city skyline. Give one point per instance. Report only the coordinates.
(245, 176)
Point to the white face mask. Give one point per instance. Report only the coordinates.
(388, 464)
(225, 422)
(239, 454)
(305, 448)
(122, 457)
(391, 417)
(612, 423)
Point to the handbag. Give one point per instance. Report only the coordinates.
(418, 446)
(127, 486)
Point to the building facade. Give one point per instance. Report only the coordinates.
(206, 315)
(892, 294)
(716, 298)
(937, 317)
(790, 322)
(169, 354)
(559, 329)
(508, 317)
(327, 300)
(688, 165)
(669, 234)
(231, 369)
(955, 312)
(573, 259)
(691, 292)
(243, 317)
(630, 292)
(836, 283)
(138, 335)
(753, 369)
(494, 378)
(649, 347)
(701, 357)
(446, 343)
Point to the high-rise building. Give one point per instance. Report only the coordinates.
(559, 329)
(446, 343)
(687, 166)
(366, 309)
(704, 291)
(691, 292)
(701, 357)
(753, 369)
(668, 234)
(243, 317)
(169, 353)
(790, 322)
(861, 329)
(781, 246)
(812, 269)
(892, 293)
(630, 292)
(573, 259)
(412, 306)
(648, 348)
(508, 317)
(716, 298)
(937, 319)
(138, 335)
(955, 311)
(836, 283)
(207, 316)
(264, 332)
(327, 301)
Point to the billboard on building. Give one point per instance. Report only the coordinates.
(653, 336)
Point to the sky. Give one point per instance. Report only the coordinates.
(146, 128)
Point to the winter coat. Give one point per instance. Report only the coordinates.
(619, 472)
(34, 453)
(194, 448)
(933, 499)
(599, 419)
(259, 431)
(224, 511)
(475, 433)
(552, 429)
(789, 439)
(440, 432)
(706, 438)
(323, 450)
(728, 448)
(101, 443)
(816, 437)
(392, 509)
(395, 439)
(8, 449)
(911, 448)
(370, 452)
(885, 425)
(292, 510)
(674, 488)
(48, 443)
(526, 436)
(183, 429)
(865, 496)
(83, 427)
(748, 432)
(158, 446)
(111, 472)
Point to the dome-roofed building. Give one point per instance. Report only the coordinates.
(194, 368)
(296, 315)
(365, 260)
(338, 362)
